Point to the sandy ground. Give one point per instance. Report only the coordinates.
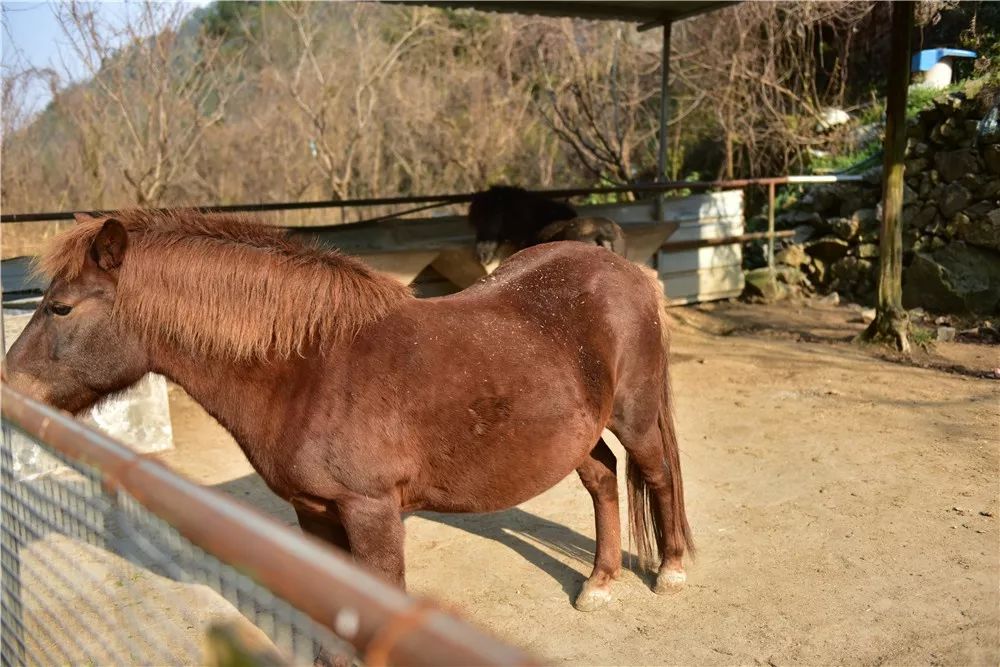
(845, 509)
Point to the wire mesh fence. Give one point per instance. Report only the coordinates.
(92, 577)
(111, 559)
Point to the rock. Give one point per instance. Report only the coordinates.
(951, 131)
(851, 197)
(871, 236)
(817, 271)
(988, 334)
(822, 199)
(952, 165)
(867, 315)
(980, 209)
(915, 129)
(925, 218)
(945, 334)
(795, 218)
(954, 199)
(803, 233)
(845, 228)
(866, 133)
(831, 299)
(971, 182)
(867, 218)
(991, 156)
(988, 131)
(957, 220)
(762, 283)
(925, 186)
(853, 275)
(909, 195)
(867, 250)
(828, 248)
(831, 117)
(872, 176)
(989, 189)
(981, 231)
(915, 166)
(921, 149)
(789, 275)
(958, 278)
(792, 255)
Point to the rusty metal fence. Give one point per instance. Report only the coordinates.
(114, 560)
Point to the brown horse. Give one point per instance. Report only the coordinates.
(356, 401)
(601, 231)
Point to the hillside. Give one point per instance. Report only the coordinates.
(243, 102)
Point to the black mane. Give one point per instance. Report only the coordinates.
(512, 214)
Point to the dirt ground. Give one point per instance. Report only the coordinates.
(844, 505)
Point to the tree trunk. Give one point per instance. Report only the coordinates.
(891, 324)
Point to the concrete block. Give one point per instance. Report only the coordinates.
(138, 417)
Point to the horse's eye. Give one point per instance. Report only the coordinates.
(59, 309)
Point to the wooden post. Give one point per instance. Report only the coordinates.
(891, 324)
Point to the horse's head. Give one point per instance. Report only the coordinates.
(71, 353)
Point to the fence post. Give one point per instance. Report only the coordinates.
(770, 228)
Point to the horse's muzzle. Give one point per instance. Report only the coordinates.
(486, 251)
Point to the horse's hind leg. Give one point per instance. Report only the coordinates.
(598, 474)
(649, 472)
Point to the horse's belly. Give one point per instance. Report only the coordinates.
(499, 475)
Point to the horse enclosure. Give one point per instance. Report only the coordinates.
(113, 559)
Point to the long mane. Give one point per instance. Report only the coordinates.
(222, 285)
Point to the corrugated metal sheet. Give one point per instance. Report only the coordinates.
(641, 12)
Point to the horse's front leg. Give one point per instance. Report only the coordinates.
(327, 528)
(598, 473)
(375, 530)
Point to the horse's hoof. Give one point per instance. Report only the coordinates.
(669, 581)
(592, 599)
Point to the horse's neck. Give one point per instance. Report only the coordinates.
(253, 401)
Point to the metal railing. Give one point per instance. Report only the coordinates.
(119, 561)
(431, 201)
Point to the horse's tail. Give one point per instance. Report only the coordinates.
(644, 523)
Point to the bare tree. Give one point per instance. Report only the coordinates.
(335, 86)
(152, 95)
(600, 98)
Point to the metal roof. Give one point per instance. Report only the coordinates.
(641, 12)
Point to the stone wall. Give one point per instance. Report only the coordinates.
(951, 214)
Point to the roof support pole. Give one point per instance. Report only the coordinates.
(661, 163)
(891, 324)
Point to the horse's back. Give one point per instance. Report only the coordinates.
(579, 295)
(568, 266)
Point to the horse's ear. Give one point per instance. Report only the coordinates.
(108, 248)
